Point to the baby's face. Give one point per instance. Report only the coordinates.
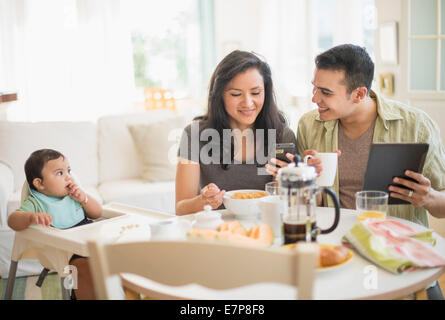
(56, 176)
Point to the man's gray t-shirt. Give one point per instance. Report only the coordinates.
(237, 175)
(352, 164)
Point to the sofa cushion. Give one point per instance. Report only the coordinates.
(158, 196)
(76, 140)
(118, 157)
(157, 145)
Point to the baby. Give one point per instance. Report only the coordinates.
(55, 199)
(53, 194)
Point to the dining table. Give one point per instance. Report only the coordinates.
(359, 278)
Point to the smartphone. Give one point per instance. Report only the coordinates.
(282, 149)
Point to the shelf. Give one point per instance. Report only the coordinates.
(8, 97)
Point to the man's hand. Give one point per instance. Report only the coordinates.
(316, 162)
(40, 218)
(421, 192)
(212, 195)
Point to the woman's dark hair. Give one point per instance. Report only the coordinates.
(217, 118)
(353, 60)
(36, 162)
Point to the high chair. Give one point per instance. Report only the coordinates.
(49, 257)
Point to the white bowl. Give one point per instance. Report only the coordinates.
(242, 208)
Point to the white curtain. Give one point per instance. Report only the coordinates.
(288, 35)
(285, 41)
(68, 59)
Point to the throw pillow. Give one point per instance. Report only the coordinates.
(157, 145)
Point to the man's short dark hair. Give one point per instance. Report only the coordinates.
(353, 60)
(36, 161)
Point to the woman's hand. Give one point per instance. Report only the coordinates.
(212, 196)
(273, 170)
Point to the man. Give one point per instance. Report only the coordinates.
(350, 116)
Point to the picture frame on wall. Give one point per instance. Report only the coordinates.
(388, 43)
(387, 83)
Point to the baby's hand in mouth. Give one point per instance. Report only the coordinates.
(69, 187)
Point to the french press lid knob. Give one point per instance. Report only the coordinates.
(297, 177)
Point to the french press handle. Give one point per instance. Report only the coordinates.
(332, 194)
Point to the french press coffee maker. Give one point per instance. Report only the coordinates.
(298, 188)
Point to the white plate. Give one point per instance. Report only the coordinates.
(334, 267)
(337, 266)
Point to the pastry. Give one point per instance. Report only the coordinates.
(331, 255)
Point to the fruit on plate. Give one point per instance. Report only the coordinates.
(233, 227)
(329, 255)
(238, 238)
(262, 233)
(233, 231)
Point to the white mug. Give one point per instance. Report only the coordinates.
(271, 209)
(329, 163)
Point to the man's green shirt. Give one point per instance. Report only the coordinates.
(396, 123)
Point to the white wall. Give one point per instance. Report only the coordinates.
(236, 26)
(389, 11)
(394, 10)
(433, 104)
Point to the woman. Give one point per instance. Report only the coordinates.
(222, 150)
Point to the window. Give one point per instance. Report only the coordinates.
(167, 45)
(426, 43)
(338, 22)
(325, 21)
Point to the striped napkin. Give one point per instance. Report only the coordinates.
(394, 246)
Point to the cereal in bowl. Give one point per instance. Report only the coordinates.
(248, 195)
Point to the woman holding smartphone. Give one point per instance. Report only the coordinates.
(220, 151)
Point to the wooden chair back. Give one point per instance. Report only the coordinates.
(212, 265)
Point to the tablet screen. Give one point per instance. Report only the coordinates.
(389, 160)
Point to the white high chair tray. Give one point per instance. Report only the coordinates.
(74, 239)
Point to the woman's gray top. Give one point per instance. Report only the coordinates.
(250, 175)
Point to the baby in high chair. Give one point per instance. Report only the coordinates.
(56, 200)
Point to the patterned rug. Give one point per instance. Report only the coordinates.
(25, 288)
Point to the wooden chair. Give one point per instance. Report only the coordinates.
(212, 265)
(159, 99)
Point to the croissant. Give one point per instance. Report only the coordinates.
(331, 255)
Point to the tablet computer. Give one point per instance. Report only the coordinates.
(389, 160)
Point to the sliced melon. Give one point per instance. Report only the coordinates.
(233, 231)
(262, 233)
(233, 227)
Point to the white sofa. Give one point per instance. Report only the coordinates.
(102, 155)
